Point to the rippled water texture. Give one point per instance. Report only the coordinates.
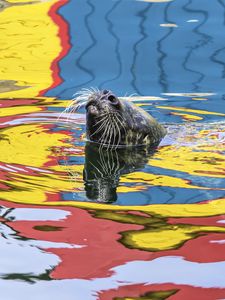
(81, 224)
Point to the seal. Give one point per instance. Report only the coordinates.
(114, 122)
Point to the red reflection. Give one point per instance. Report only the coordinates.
(101, 251)
(63, 33)
(184, 292)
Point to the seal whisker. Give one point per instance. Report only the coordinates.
(112, 118)
(108, 114)
(102, 124)
(102, 138)
(117, 169)
(81, 97)
(73, 109)
(79, 103)
(121, 123)
(111, 131)
(114, 132)
(108, 135)
(100, 121)
(102, 159)
(111, 164)
(101, 174)
(85, 91)
(94, 90)
(119, 136)
(132, 95)
(107, 161)
(113, 160)
(99, 128)
(114, 127)
(61, 114)
(66, 110)
(107, 132)
(111, 135)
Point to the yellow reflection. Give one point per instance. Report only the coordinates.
(157, 234)
(170, 237)
(16, 110)
(32, 146)
(27, 187)
(198, 111)
(199, 99)
(184, 159)
(28, 145)
(28, 45)
(212, 208)
(23, 1)
(159, 180)
(187, 117)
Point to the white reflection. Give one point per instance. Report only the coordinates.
(157, 271)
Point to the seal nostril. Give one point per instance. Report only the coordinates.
(112, 98)
(105, 92)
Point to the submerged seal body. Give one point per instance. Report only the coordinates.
(114, 122)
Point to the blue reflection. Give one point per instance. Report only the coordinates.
(120, 45)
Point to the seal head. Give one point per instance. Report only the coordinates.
(114, 122)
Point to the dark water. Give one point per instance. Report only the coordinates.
(77, 223)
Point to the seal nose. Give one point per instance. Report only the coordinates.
(91, 102)
(108, 95)
(111, 98)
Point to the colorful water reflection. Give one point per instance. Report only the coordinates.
(153, 230)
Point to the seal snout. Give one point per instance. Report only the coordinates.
(91, 107)
(102, 101)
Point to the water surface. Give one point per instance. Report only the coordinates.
(154, 226)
